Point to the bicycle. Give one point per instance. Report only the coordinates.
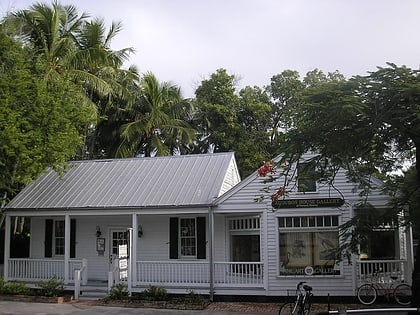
(302, 304)
(368, 292)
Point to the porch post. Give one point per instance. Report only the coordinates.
(211, 259)
(409, 255)
(6, 247)
(66, 248)
(134, 249)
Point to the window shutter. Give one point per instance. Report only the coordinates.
(201, 238)
(48, 238)
(73, 238)
(173, 238)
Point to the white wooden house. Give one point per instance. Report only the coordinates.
(189, 224)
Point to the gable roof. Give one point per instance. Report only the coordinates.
(184, 180)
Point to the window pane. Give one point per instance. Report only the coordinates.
(306, 177)
(245, 248)
(188, 237)
(59, 237)
(298, 250)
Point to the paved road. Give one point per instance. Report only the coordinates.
(23, 308)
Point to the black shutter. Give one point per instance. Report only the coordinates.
(173, 238)
(48, 238)
(73, 238)
(201, 238)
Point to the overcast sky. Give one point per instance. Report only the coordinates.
(184, 41)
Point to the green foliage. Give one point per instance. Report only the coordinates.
(2, 284)
(157, 121)
(15, 288)
(118, 292)
(52, 287)
(42, 122)
(155, 293)
(193, 297)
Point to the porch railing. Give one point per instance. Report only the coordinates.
(243, 274)
(386, 270)
(184, 273)
(27, 269)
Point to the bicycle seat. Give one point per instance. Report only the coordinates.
(307, 287)
(394, 277)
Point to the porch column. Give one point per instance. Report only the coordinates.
(66, 248)
(6, 247)
(133, 256)
(211, 259)
(409, 255)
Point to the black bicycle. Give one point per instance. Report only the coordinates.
(302, 304)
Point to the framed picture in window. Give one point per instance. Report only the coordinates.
(100, 244)
(326, 244)
(298, 248)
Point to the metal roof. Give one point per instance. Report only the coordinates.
(137, 182)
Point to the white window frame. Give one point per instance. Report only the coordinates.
(334, 227)
(297, 181)
(181, 237)
(243, 226)
(59, 237)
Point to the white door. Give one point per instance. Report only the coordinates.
(117, 237)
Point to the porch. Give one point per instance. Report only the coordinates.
(172, 275)
(384, 271)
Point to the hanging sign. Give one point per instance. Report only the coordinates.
(307, 203)
(123, 261)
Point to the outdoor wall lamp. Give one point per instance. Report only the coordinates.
(98, 231)
(140, 231)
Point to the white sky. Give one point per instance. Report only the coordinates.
(184, 41)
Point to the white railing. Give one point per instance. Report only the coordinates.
(172, 272)
(113, 274)
(243, 274)
(385, 270)
(26, 269)
(80, 277)
(185, 273)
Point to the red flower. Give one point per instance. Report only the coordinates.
(267, 168)
(279, 193)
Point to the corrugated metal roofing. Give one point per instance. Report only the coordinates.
(136, 182)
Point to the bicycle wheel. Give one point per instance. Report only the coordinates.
(402, 294)
(287, 309)
(367, 294)
(307, 308)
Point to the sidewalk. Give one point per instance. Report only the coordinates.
(91, 308)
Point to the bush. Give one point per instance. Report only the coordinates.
(1, 285)
(194, 298)
(52, 287)
(15, 288)
(118, 292)
(154, 293)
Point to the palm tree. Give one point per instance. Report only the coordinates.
(157, 126)
(77, 49)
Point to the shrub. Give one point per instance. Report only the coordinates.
(118, 292)
(52, 287)
(194, 298)
(1, 285)
(154, 293)
(15, 288)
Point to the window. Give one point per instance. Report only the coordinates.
(245, 244)
(245, 239)
(373, 247)
(306, 177)
(59, 237)
(308, 241)
(188, 236)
